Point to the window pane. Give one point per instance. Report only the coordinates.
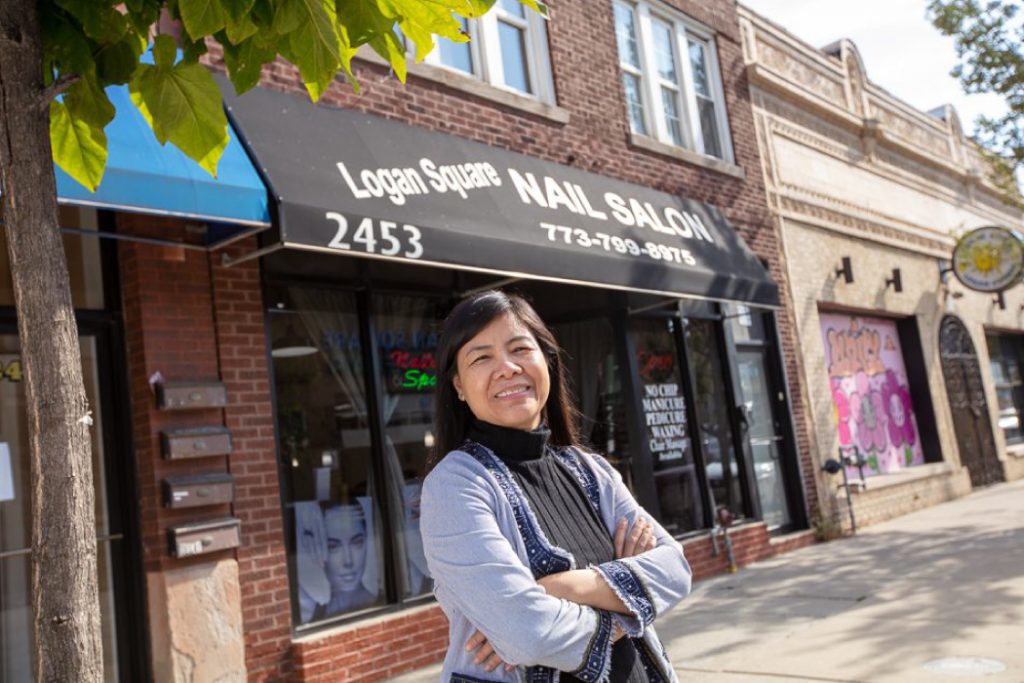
(709, 127)
(680, 507)
(513, 56)
(594, 371)
(668, 101)
(456, 55)
(406, 338)
(698, 63)
(634, 103)
(713, 406)
(332, 494)
(664, 51)
(625, 36)
(513, 7)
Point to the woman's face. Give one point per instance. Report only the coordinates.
(503, 375)
(346, 547)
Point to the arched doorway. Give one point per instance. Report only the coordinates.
(971, 421)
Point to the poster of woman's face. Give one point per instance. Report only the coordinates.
(335, 558)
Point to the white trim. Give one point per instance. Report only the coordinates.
(683, 30)
(485, 54)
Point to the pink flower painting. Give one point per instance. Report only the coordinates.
(900, 411)
(869, 414)
(841, 411)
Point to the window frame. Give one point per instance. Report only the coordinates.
(683, 30)
(1014, 342)
(486, 57)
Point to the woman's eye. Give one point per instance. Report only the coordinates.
(478, 359)
(333, 545)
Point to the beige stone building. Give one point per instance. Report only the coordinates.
(900, 364)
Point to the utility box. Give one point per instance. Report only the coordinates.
(200, 538)
(195, 442)
(188, 395)
(198, 489)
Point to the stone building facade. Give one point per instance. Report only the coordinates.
(857, 178)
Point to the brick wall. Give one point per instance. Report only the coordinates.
(596, 138)
(244, 369)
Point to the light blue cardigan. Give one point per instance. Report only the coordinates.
(485, 551)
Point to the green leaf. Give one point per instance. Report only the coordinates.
(116, 62)
(238, 9)
(202, 17)
(425, 16)
(183, 106)
(99, 20)
(537, 6)
(64, 45)
(239, 30)
(390, 48)
(422, 38)
(245, 63)
(314, 44)
(87, 101)
(165, 51)
(78, 147)
(364, 20)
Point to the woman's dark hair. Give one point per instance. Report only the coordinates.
(451, 416)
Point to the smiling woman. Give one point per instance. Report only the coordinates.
(513, 506)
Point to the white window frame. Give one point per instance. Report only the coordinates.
(485, 53)
(683, 29)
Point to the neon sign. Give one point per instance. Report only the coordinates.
(411, 371)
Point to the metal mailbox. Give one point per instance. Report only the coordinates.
(198, 489)
(199, 442)
(185, 395)
(199, 538)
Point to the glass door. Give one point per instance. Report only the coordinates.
(16, 519)
(764, 434)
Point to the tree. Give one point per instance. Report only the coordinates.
(989, 39)
(56, 58)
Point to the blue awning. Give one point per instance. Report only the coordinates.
(144, 177)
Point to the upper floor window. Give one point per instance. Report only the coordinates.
(670, 79)
(508, 48)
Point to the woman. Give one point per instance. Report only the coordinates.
(525, 534)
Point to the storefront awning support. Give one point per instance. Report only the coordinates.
(228, 262)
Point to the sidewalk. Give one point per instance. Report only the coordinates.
(943, 582)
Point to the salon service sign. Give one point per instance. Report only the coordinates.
(989, 259)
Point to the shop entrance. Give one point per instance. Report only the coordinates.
(962, 372)
(16, 645)
(687, 416)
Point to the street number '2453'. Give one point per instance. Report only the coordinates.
(366, 235)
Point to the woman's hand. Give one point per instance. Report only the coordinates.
(639, 540)
(486, 655)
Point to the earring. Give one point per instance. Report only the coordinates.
(461, 397)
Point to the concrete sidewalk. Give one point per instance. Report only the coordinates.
(943, 582)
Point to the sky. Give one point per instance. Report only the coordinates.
(901, 50)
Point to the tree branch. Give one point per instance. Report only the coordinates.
(58, 87)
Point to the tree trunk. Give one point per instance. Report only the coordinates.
(65, 595)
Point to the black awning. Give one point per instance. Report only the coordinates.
(367, 186)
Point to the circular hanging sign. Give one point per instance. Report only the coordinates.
(989, 259)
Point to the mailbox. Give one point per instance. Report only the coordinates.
(199, 489)
(185, 395)
(199, 538)
(178, 444)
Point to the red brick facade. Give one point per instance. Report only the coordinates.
(189, 317)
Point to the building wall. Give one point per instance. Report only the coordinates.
(852, 171)
(587, 129)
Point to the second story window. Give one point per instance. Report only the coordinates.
(508, 49)
(670, 79)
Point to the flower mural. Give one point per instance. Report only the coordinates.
(841, 411)
(869, 414)
(871, 403)
(900, 411)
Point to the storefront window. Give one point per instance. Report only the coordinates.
(1006, 353)
(406, 331)
(665, 420)
(323, 427)
(83, 260)
(713, 406)
(591, 363)
(871, 398)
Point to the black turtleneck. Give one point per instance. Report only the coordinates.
(563, 512)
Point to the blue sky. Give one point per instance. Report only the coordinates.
(901, 50)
